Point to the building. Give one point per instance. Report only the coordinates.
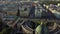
(38, 11)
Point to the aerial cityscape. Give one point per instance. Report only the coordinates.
(29, 16)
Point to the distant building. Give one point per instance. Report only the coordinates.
(58, 4)
(24, 10)
(32, 11)
(38, 11)
(1, 15)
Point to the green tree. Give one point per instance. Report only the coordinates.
(41, 29)
(6, 31)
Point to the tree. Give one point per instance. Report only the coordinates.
(1, 24)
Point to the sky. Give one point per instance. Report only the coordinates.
(32, 0)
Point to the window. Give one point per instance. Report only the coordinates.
(25, 9)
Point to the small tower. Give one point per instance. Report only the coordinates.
(18, 11)
(32, 10)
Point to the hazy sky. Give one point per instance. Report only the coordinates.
(30, 0)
